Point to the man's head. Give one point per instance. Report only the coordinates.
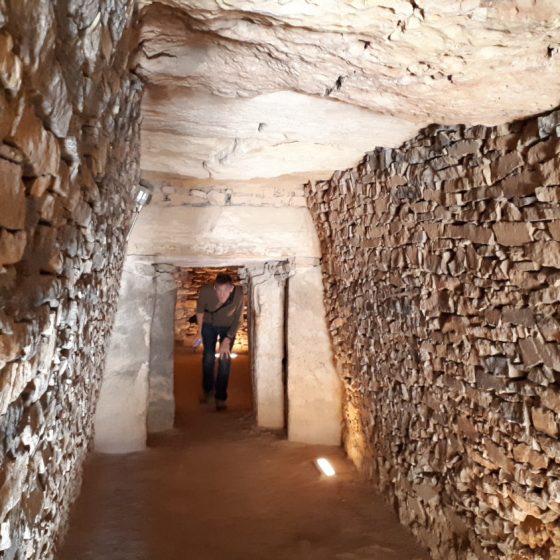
(223, 286)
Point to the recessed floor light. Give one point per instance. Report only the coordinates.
(325, 467)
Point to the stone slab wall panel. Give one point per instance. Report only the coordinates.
(441, 267)
(69, 129)
(267, 329)
(314, 389)
(161, 401)
(122, 407)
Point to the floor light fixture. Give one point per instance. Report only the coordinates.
(325, 467)
(232, 355)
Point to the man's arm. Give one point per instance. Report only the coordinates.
(200, 308)
(199, 320)
(226, 344)
(232, 331)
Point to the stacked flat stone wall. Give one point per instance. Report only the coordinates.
(189, 282)
(69, 113)
(441, 265)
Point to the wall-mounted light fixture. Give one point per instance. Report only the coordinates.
(143, 195)
(142, 198)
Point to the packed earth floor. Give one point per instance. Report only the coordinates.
(217, 488)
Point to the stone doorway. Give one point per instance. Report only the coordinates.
(187, 360)
(293, 381)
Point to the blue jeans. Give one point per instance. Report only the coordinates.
(210, 335)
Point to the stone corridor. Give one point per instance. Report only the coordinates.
(216, 488)
(382, 178)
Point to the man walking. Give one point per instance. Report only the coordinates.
(218, 314)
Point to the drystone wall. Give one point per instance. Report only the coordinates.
(69, 114)
(442, 280)
(189, 282)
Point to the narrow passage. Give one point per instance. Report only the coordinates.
(216, 488)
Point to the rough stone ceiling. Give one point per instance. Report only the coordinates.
(239, 89)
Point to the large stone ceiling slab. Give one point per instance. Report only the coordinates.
(197, 134)
(241, 89)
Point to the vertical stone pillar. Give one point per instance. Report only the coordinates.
(267, 344)
(314, 388)
(120, 421)
(161, 401)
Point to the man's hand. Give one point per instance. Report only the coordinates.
(225, 348)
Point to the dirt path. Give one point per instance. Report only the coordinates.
(216, 488)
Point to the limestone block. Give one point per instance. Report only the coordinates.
(40, 147)
(224, 234)
(475, 234)
(521, 184)
(161, 403)
(547, 123)
(314, 388)
(499, 457)
(550, 446)
(5, 540)
(554, 230)
(545, 253)
(267, 143)
(91, 42)
(13, 484)
(55, 105)
(532, 532)
(550, 174)
(512, 233)
(267, 293)
(545, 421)
(524, 317)
(12, 194)
(554, 489)
(7, 115)
(463, 147)
(40, 186)
(10, 64)
(549, 328)
(550, 398)
(120, 423)
(9, 347)
(83, 214)
(15, 376)
(525, 454)
(548, 194)
(505, 165)
(12, 246)
(217, 198)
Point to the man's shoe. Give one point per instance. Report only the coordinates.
(205, 398)
(221, 405)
